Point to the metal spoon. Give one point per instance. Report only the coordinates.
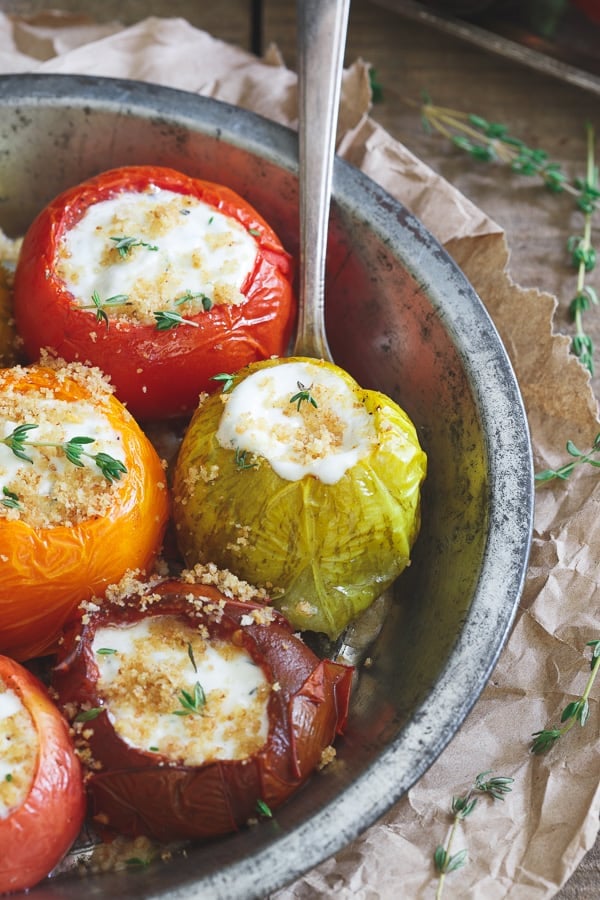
(322, 26)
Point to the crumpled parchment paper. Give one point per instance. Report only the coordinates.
(527, 846)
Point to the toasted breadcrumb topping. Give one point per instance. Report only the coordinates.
(46, 489)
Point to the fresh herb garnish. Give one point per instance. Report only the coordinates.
(303, 396)
(576, 711)
(88, 715)
(165, 320)
(226, 379)
(254, 232)
(486, 141)
(263, 809)
(240, 460)
(579, 457)
(102, 305)
(105, 651)
(376, 86)
(191, 703)
(136, 862)
(111, 468)
(124, 245)
(10, 499)
(8, 777)
(444, 860)
(583, 258)
(189, 296)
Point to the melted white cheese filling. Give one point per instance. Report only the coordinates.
(18, 751)
(144, 670)
(179, 247)
(324, 433)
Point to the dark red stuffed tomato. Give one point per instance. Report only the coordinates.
(160, 279)
(42, 798)
(195, 711)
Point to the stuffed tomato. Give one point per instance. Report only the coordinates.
(83, 499)
(42, 798)
(298, 479)
(159, 279)
(194, 711)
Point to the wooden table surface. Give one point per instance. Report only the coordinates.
(410, 57)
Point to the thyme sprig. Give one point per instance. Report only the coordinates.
(241, 460)
(100, 306)
(583, 258)
(579, 458)
(303, 396)
(575, 711)
(167, 319)
(191, 703)
(190, 296)
(73, 449)
(444, 860)
(124, 245)
(226, 379)
(486, 141)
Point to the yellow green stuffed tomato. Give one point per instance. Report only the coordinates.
(297, 480)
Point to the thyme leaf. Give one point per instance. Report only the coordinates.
(88, 715)
(10, 499)
(263, 809)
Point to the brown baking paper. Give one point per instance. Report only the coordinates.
(527, 846)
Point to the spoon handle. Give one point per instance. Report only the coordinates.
(322, 27)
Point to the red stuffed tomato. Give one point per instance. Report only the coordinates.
(159, 279)
(42, 798)
(196, 712)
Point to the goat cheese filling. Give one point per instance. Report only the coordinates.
(303, 419)
(169, 688)
(18, 751)
(143, 252)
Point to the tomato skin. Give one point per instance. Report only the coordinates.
(47, 572)
(135, 792)
(37, 834)
(158, 374)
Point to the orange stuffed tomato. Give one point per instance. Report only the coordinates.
(42, 798)
(159, 279)
(195, 711)
(83, 499)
